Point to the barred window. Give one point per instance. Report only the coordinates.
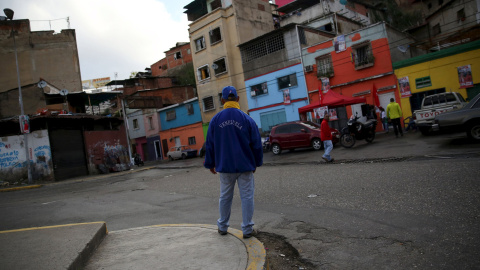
(259, 89)
(324, 66)
(263, 47)
(363, 56)
(208, 104)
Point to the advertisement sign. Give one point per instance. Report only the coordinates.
(24, 124)
(404, 85)
(339, 43)
(320, 112)
(286, 96)
(465, 76)
(333, 114)
(325, 84)
(100, 82)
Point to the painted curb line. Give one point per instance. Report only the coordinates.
(19, 188)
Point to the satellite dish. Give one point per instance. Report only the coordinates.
(63, 92)
(214, 66)
(42, 84)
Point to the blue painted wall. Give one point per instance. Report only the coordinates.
(182, 116)
(275, 95)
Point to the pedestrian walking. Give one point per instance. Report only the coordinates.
(394, 112)
(234, 149)
(326, 137)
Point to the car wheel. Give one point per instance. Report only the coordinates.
(170, 158)
(276, 150)
(184, 156)
(425, 131)
(473, 131)
(316, 144)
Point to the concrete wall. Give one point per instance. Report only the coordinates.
(193, 130)
(13, 165)
(182, 116)
(107, 151)
(136, 132)
(41, 54)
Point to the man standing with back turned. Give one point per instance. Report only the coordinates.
(234, 149)
(394, 112)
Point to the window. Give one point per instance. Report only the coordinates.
(287, 81)
(363, 56)
(150, 122)
(189, 108)
(324, 66)
(215, 35)
(171, 115)
(436, 29)
(423, 82)
(208, 104)
(199, 44)
(220, 99)
(263, 47)
(203, 73)
(282, 129)
(461, 15)
(135, 124)
(219, 66)
(177, 55)
(191, 141)
(259, 89)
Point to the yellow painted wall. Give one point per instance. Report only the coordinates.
(443, 74)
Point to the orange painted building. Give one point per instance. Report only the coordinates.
(358, 64)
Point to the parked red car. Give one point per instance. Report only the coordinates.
(298, 134)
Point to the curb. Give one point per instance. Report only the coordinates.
(255, 249)
(19, 188)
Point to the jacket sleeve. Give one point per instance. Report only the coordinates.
(209, 147)
(256, 144)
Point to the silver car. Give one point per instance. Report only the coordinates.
(466, 119)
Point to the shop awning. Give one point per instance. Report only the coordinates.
(332, 100)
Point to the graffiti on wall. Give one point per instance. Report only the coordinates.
(109, 156)
(8, 156)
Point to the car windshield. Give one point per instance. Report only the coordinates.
(311, 125)
(185, 148)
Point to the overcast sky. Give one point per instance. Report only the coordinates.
(112, 35)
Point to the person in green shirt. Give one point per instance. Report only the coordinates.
(394, 113)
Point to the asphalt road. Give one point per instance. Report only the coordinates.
(421, 212)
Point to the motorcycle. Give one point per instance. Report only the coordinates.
(138, 160)
(358, 131)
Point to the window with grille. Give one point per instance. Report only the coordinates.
(287, 81)
(203, 73)
(171, 115)
(259, 89)
(191, 141)
(363, 56)
(215, 36)
(263, 47)
(423, 82)
(219, 66)
(324, 66)
(135, 124)
(190, 109)
(199, 44)
(208, 104)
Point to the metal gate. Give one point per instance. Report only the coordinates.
(68, 154)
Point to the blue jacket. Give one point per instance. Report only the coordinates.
(233, 143)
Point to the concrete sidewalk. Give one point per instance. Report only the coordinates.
(90, 246)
